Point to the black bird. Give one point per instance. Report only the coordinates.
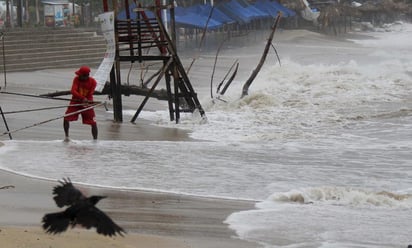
(81, 210)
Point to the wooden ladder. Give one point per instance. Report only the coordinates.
(136, 38)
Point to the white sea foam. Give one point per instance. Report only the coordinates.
(327, 217)
(284, 104)
(372, 101)
(343, 196)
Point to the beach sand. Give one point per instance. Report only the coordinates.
(33, 237)
(152, 219)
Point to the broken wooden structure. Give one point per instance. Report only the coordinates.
(136, 40)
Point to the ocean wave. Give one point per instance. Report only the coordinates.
(344, 196)
(301, 101)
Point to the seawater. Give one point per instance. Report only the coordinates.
(322, 142)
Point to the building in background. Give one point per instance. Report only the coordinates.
(59, 13)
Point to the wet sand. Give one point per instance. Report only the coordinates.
(13, 237)
(52, 128)
(158, 219)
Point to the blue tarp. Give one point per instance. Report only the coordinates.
(240, 15)
(186, 17)
(248, 10)
(205, 9)
(259, 14)
(183, 17)
(196, 16)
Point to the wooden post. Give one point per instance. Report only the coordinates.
(115, 80)
(172, 23)
(162, 73)
(176, 89)
(117, 83)
(117, 94)
(169, 95)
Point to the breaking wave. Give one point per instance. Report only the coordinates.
(342, 196)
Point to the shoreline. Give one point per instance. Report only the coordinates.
(173, 219)
(127, 190)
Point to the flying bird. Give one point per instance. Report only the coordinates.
(81, 210)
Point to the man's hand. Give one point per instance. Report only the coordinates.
(86, 102)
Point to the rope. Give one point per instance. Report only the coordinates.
(46, 108)
(53, 119)
(44, 97)
(22, 94)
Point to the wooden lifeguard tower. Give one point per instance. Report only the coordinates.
(144, 38)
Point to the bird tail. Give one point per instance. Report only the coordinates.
(55, 223)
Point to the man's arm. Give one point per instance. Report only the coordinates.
(92, 89)
(75, 91)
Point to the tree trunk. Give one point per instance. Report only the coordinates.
(37, 12)
(19, 13)
(262, 59)
(8, 21)
(26, 12)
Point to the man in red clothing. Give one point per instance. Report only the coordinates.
(82, 92)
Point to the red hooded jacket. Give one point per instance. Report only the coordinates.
(83, 90)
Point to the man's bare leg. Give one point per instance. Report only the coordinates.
(94, 131)
(66, 126)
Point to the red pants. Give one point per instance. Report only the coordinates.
(88, 116)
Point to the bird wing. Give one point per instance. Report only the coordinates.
(66, 193)
(55, 223)
(94, 217)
